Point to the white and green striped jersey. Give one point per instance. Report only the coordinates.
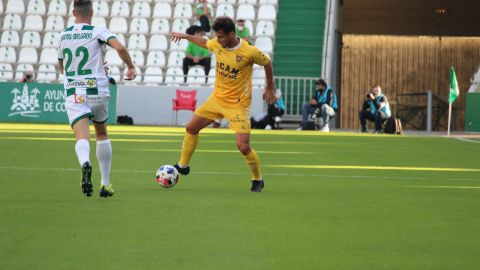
(80, 49)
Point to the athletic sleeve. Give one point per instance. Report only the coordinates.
(104, 35)
(211, 43)
(260, 58)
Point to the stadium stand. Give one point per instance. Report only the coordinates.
(31, 28)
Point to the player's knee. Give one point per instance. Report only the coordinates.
(244, 148)
(190, 129)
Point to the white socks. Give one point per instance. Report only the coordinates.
(82, 148)
(104, 156)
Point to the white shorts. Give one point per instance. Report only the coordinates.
(95, 107)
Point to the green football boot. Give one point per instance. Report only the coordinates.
(106, 191)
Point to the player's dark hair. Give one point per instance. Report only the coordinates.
(83, 7)
(224, 24)
(321, 82)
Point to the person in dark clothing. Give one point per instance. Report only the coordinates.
(196, 55)
(375, 108)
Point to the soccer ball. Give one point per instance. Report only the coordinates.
(167, 176)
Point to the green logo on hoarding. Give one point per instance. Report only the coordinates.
(25, 102)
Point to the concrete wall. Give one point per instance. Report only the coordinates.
(152, 105)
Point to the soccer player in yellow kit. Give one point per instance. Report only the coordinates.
(232, 94)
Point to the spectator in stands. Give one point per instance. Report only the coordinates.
(203, 15)
(242, 31)
(27, 77)
(323, 104)
(375, 108)
(275, 111)
(196, 55)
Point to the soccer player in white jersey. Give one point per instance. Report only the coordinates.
(86, 86)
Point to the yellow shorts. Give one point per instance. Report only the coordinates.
(238, 118)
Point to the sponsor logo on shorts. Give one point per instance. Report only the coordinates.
(87, 83)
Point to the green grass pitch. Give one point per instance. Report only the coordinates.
(331, 201)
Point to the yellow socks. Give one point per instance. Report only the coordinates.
(188, 147)
(253, 162)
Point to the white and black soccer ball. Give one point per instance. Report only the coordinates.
(167, 176)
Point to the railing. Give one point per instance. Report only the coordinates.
(423, 111)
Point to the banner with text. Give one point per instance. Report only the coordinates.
(40, 102)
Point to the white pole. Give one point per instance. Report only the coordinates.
(449, 112)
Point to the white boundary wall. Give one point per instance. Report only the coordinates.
(152, 105)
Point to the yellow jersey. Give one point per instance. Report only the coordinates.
(234, 67)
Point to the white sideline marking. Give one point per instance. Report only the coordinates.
(446, 187)
(247, 173)
(467, 140)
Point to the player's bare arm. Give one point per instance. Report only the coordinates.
(125, 56)
(200, 41)
(269, 92)
(60, 65)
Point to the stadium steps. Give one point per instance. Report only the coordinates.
(299, 38)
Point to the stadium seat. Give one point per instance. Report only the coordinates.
(249, 25)
(175, 59)
(70, 21)
(10, 38)
(15, 7)
(49, 56)
(6, 72)
(46, 73)
(120, 38)
(13, 22)
(196, 75)
(265, 44)
(28, 55)
(120, 9)
(114, 72)
(267, 12)
(141, 9)
(211, 76)
(179, 45)
(188, 1)
(156, 59)
(57, 7)
(112, 58)
(162, 10)
(246, 12)
(183, 11)
(225, 9)
(21, 69)
(232, 2)
(139, 26)
(158, 42)
(50, 40)
(118, 25)
(180, 25)
(166, 1)
(99, 21)
(184, 100)
(36, 7)
(160, 26)
(1, 7)
(213, 63)
(54, 23)
(247, 2)
(31, 39)
(137, 42)
(8, 55)
(265, 28)
(137, 58)
(258, 77)
(153, 76)
(174, 76)
(268, 2)
(100, 8)
(33, 23)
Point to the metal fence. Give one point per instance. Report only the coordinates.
(295, 91)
